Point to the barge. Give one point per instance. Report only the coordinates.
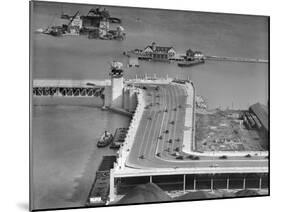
(119, 138)
(190, 63)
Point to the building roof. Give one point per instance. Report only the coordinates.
(261, 111)
(164, 49)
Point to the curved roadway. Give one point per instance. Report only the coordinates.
(160, 134)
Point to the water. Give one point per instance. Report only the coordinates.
(63, 135)
(213, 34)
(65, 156)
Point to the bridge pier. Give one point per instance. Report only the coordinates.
(227, 183)
(150, 179)
(112, 186)
(194, 183)
(184, 178)
(244, 183)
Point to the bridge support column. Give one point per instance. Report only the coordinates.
(150, 179)
(260, 183)
(227, 183)
(244, 183)
(184, 183)
(212, 184)
(194, 184)
(111, 187)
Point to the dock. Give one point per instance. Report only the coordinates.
(236, 59)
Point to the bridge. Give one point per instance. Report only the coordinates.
(71, 88)
(159, 145)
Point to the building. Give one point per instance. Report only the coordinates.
(199, 55)
(159, 52)
(257, 119)
(189, 55)
(103, 27)
(260, 117)
(95, 18)
(194, 55)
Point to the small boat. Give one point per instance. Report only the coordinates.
(105, 139)
(190, 63)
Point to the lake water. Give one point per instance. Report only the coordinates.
(63, 135)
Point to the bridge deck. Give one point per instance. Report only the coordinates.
(69, 83)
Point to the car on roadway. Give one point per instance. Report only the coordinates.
(214, 165)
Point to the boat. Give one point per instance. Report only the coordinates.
(119, 138)
(188, 63)
(105, 139)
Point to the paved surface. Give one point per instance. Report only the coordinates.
(69, 83)
(160, 134)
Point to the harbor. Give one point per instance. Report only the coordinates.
(68, 98)
(137, 157)
(190, 58)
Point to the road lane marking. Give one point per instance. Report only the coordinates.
(166, 120)
(164, 114)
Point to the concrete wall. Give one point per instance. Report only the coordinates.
(117, 85)
(107, 96)
(126, 99)
(133, 100)
(123, 152)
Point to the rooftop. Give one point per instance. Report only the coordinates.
(160, 48)
(261, 111)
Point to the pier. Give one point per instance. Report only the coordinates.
(235, 59)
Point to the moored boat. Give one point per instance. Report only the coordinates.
(105, 139)
(190, 63)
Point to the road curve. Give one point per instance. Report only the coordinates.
(160, 134)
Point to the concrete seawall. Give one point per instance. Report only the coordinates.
(129, 140)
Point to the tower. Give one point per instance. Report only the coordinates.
(117, 84)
